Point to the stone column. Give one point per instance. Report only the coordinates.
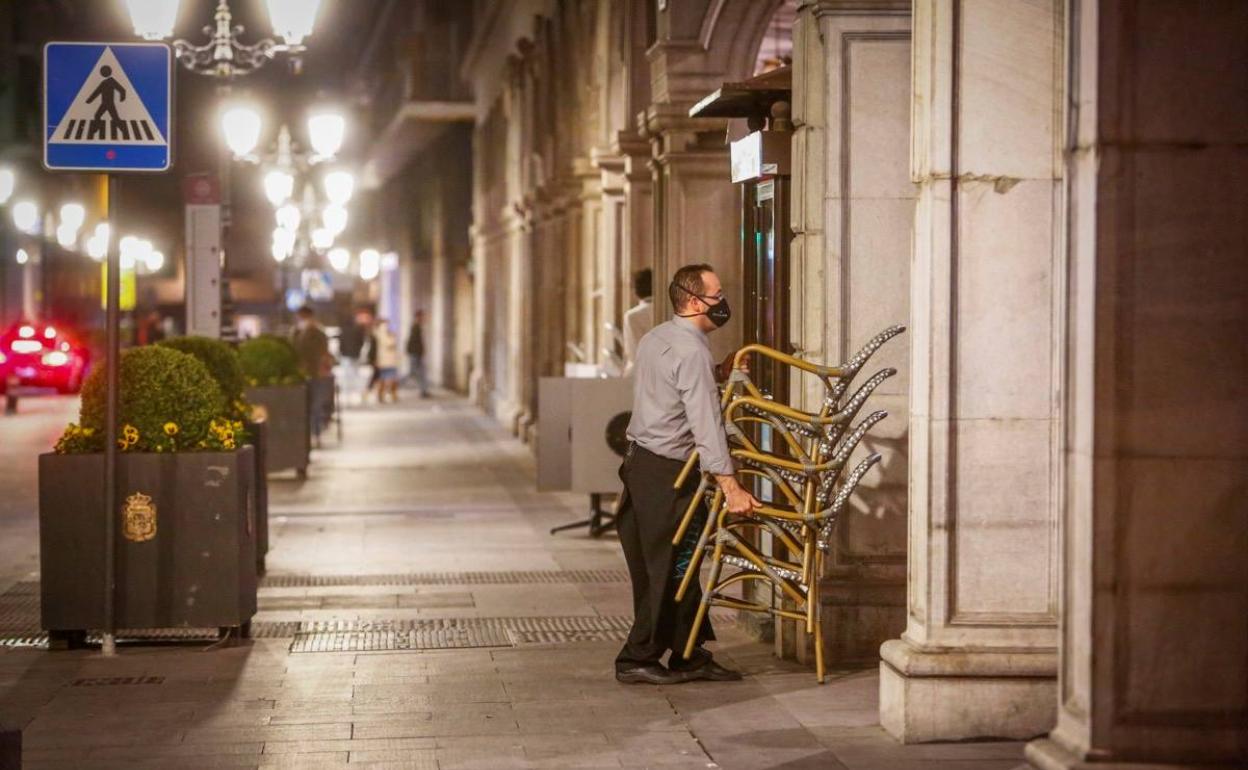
(588, 329)
(1154, 666)
(852, 216)
(978, 656)
(613, 257)
(519, 415)
(697, 209)
(478, 377)
(638, 215)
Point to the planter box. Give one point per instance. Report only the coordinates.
(289, 439)
(197, 569)
(259, 439)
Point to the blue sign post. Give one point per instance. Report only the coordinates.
(108, 107)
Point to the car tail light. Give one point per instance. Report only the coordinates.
(26, 346)
(55, 358)
(49, 333)
(26, 332)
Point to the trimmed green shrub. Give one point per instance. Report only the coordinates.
(169, 402)
(269, 360)
(222, 362)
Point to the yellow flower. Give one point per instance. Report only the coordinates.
(228, 443)
(171, 429)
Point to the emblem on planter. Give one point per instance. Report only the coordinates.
(139, 518)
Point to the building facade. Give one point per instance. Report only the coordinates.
(1050, 195)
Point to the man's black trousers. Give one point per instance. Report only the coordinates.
(647, 520)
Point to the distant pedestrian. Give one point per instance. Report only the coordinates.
(416, 353)
(640, 318)
(150, 328)
(312, 347)
(352, 345)
(385, 351)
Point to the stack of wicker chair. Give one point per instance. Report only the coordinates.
(805, 469)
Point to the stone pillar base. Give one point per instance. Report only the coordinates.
(1048, 754)
(477, 389)
(955, 696)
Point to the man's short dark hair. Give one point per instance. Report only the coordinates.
(305, 312)
(643, 283)
(688, 278)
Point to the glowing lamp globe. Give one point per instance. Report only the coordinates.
(152, 19)
(73, 215)
(339, 259)
(326, 130)
(370, 264)
(293, 20)
(241, 127)
(339, 185)
(26, 217)
(278, 186)
(334, 218)
(289, 217)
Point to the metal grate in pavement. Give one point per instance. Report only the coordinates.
(515, 577)
(454, 633)
(108, 681)
(20, 623)
(39, 638)
(19, 607)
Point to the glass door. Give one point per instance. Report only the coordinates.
(766, 220)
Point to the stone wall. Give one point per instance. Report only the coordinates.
(853, 209)
(560, 213)
(1154, 664)
(986, 369)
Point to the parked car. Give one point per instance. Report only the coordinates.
(41, 355)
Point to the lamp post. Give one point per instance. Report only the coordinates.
(300, 224)
(225, 57)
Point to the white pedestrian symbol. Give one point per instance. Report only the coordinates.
(107, 110)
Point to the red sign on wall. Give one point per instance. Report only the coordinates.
(201, 189)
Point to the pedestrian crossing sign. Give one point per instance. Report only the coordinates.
(107, 107)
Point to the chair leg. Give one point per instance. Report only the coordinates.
(815, 612)
(819, 669)
(704, 606)
(695, 561)
(687, 519)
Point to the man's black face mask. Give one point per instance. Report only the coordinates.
(719, 312)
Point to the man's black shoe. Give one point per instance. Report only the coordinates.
(712, 671)
(654, 673)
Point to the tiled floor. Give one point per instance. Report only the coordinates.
(435, 487)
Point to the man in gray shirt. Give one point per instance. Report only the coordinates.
(675, 412)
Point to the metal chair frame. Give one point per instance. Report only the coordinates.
(809, 482)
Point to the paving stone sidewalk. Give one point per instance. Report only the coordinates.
(425, 525)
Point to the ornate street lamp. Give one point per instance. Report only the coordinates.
(224, 55)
